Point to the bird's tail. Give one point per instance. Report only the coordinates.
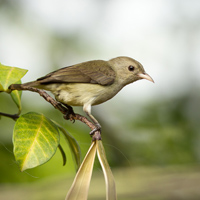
(25, 85)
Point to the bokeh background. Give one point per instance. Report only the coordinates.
(151, 132)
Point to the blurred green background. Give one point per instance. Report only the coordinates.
(151, 132)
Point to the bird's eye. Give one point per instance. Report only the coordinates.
(131, 68)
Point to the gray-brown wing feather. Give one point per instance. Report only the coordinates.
(96, 72)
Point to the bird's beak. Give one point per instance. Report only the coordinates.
(146, 76)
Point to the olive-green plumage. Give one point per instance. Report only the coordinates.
(91, 83)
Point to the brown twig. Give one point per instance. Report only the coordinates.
(68, 113)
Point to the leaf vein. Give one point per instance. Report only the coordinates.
(8, 75)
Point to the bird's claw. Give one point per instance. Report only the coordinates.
(94, 130)
(97, 128)
(70, 116)
(96, 133)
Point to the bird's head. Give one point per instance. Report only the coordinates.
(128, 70)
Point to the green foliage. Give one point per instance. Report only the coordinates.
(74, 147)
(16, 96)
(10, 75)
(35, 137)
(35, 140)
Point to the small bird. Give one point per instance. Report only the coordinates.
(91, 83)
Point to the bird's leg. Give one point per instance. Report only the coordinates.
(87, 110)
(70, 113)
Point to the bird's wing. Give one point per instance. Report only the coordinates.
(96, 72)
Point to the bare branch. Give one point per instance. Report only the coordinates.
(14, 116)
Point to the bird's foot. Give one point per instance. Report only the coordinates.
(96, 132)
(70, 115)
(97, 128)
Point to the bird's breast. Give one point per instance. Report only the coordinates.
(78, 94)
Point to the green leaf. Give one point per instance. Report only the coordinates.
(74, 147)
(80, 187)
(10, 75)
(1, 87)
(16, 96)
(109, 179)
(35, 140)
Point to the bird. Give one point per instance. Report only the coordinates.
(91, 83)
